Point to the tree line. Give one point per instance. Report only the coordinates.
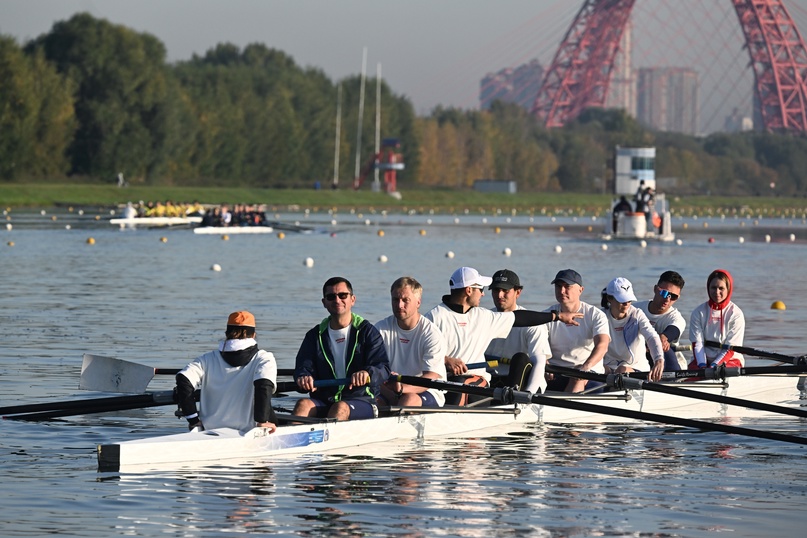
(91, 99)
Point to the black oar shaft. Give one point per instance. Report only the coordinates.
(601, 410)
(75, 404)
(751, 351)
(175, 371)
(87, 410)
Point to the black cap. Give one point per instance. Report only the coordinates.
(569, 276)
(505, 279)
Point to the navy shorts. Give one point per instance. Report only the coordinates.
(359, 408)
(426, 400)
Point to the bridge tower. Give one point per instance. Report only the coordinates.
(580, 72)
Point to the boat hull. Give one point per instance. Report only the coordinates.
(226, 444)
(232, 230)
(155, 221)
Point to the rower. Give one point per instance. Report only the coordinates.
(665, 318)
(582, 345)
(236, 381)
(415, 347)
(527, 347)
(343, 345)
(718, 320)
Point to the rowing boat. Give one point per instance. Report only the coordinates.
(226, 444)
(233, 230)
(415, 423)
(125, 222)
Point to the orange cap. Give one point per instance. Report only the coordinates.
(242, 318)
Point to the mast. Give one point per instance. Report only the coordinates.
(361, 115)
(338, 136)
(376, 182)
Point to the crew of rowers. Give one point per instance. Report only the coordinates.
(169, 209)
(239, 215)
(453, 341)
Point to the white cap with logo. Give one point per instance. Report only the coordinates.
(468, 276)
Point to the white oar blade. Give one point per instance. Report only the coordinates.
(106, 374)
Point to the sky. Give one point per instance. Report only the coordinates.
(432, 51)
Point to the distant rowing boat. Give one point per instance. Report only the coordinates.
(155, 221)
(414, 423)
(232, 230)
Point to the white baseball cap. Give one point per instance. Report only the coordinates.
(468, 276)
(621, 289)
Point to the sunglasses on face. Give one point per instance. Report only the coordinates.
(342, 295)
(664, 294)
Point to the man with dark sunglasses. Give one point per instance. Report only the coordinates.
(342, 346)
(665, 318)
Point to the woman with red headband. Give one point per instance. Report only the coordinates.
(717, 320)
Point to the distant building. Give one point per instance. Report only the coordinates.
(496, 185)
(518, 85)
(737, 123)
(622, 86)
(667, 99)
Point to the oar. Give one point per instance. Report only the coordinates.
(95, 405)
(107, 374)
(621, 381)
(757, 352)
(508, 395)
(490, 363)
(119, 403)
(721, 372)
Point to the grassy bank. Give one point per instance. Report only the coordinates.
(442, 201)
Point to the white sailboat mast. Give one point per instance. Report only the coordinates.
(338, 136)
(376, 182)
(361, 114)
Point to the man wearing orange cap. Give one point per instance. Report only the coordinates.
(236, 382)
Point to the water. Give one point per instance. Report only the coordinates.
(132, 296)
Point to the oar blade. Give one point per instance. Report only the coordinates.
(106, 374)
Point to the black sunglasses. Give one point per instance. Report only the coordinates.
(664, 294)
(342, 295)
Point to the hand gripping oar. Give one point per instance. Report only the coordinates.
(106, 374)
(508, 395)
(758, 353)
(622, 381)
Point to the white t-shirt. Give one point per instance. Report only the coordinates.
(468, 335)
(338, 345)
(725, 326)
(228, 393)
(534, 341)
(660, 322)
(628, 337)
(413, 352)
(572, 344)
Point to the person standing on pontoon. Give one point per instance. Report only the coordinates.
(468, 329)
(582, 345)
(237, 382)
(343, 345)
(415, 347)
(718, 320)
(665, 318)
(526, 347)
(629, 330)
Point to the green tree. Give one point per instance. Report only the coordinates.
(36, 115)
(123, 86)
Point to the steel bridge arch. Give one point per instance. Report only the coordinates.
(580, 72)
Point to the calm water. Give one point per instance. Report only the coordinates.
(136, 297)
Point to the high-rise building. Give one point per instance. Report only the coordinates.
(622, 87)
(518, 85)
(667, 99)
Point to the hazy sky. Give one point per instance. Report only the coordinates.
(433, 51)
